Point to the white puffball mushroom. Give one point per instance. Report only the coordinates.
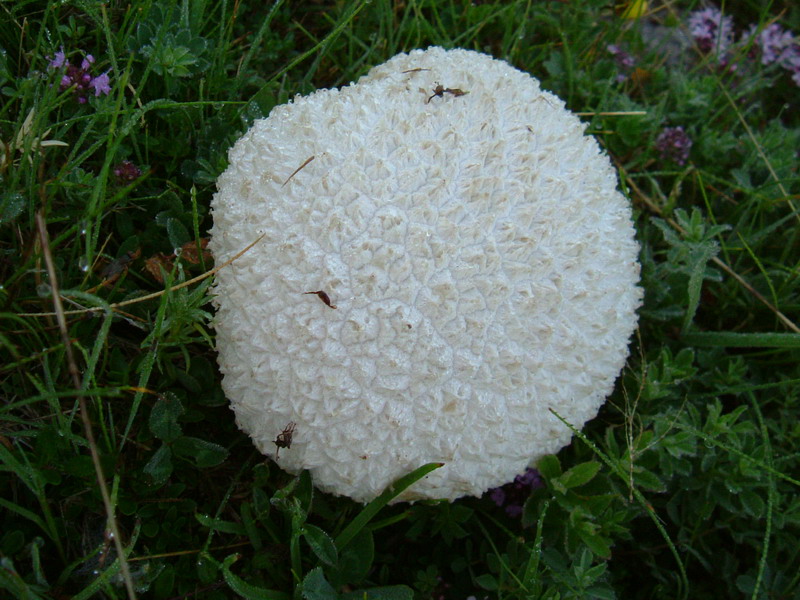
(445, 259)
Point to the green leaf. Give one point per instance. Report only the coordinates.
(204, 454)
(699, 257)
(680, 444)
(579, 474)
(11, 206)
(10, 581)
(355, 561)
(159, 467)
(207, 568)
(165, 582)
(647, 480)
(316, 587)
(244, 589)
(261, 505)
(549, 467)
(177, 233)
(220, 524)
(487, 581)
(250, 525)
(601, 592)
(321, 543)
(752, 503)
(164, 417)
(24, 512)
(392, 592)
(596, 543)
(371, 509)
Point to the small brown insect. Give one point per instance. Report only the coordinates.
(322, 296)
(297, 170)
(115, 268)
(440, 91)
(284, 439)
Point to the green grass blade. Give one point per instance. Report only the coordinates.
(389, 494)
(730, 339)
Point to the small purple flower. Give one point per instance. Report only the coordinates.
(513, 495)
(674, 144)
(498, 496)
(80, 78)
(625, 62)
(711, 30)
(775, 44)
(529, 478)
(101, 84)
(59, 60)
(126, 172)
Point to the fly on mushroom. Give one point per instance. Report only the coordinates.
(440, 91)
(284, 439)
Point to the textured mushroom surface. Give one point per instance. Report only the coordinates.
(470, 264)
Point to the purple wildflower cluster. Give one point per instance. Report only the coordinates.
(126, 171)
(714, 34)
(674, 144)
(776, 46)
(79, 77)
(625, 62)
(711, 30)
(513, 495)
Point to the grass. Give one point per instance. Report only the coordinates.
(685, 486)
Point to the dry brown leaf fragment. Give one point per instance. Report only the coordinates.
(190, 254)
(158, 264)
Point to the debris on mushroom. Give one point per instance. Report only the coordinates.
(323, 296)
(440, 91)
(483, 264)
(297, 170)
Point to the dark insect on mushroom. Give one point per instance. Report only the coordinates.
(417, 70)
(440, 91)
(284, 439)
(322, 296)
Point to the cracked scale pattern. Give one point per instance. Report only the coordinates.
(482, 264)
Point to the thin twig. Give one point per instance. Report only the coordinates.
(87, 424)
(614, 113)
(117, 305)
(297, 170)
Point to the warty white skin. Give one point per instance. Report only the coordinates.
(482, 264)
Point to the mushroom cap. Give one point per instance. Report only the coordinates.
(481, 262)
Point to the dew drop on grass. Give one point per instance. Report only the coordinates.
(43, 290)
(83, 264)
